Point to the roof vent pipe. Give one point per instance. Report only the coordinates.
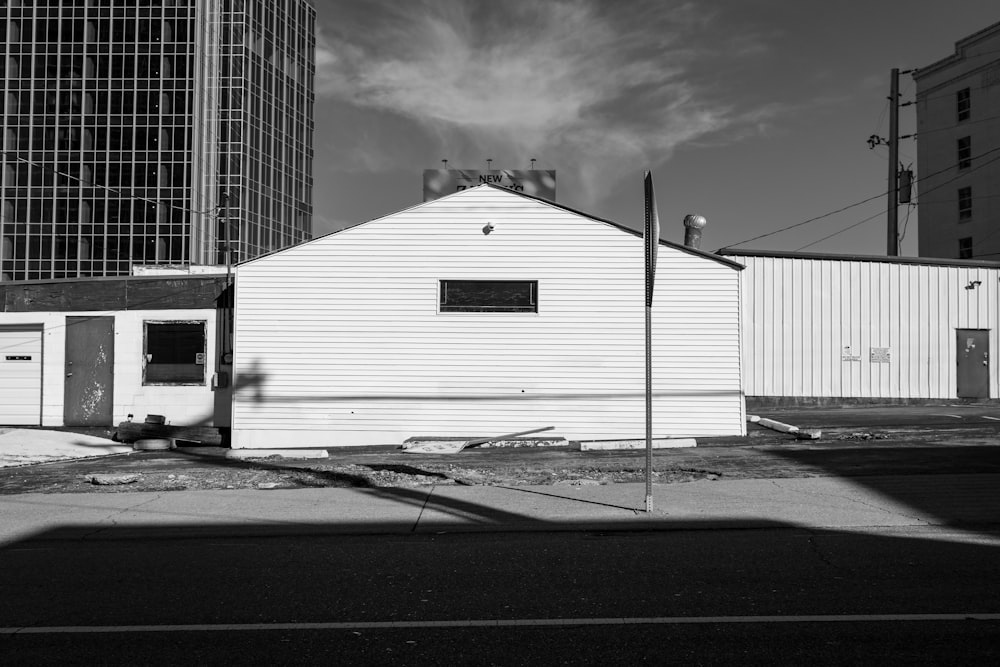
(693, 224)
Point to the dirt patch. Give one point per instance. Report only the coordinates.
(268, 475)
(842, 451)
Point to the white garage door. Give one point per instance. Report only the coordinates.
(20, 378)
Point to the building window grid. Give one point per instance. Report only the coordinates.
(140, 229)
(965, 248)
(964, 152)
(964, 204)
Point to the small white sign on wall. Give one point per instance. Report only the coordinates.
(848, 354)
(879, 355)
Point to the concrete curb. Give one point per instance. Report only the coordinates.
(658, 443)
(244, 454)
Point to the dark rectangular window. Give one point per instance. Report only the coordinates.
(963, 101)
(480, 296)
(965, 152)
(964, 204)
(174, 353)
(965, 248)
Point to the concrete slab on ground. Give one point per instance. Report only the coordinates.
(23, 446)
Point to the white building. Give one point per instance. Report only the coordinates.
(89, 352)
(482, 313)
(823, 327)
(958, 150)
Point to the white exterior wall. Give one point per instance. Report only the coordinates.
(339, 341)
(187, 404)
(805, 321)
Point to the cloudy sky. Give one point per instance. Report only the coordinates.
(753, 113)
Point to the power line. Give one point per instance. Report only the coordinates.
(830, 236)
(956, 127)
(963, 174)
(906, 221)
(952, 201)
(878, 196)
(805, 222)
(881, 118)
(151, 300)
(120, 193)
(849, 227)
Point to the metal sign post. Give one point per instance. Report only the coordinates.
(651, 238)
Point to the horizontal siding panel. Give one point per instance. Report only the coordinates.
(339, 339)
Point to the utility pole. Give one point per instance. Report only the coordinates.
(892, 217)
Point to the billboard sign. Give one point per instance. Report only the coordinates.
(534, 182)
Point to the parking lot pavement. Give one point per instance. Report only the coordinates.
(945, 414)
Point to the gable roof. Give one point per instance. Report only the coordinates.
(676, 246)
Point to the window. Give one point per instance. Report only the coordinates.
(174, 353)
(483, 296)
(965, 248)
(963, 102)
(965, 152)
(964, 204)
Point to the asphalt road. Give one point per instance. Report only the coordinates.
(757, 595)
(698, 594)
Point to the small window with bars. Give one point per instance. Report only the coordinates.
(965, 152)
(963, 104)
(489, 296)
(965, 248)
(964, 204)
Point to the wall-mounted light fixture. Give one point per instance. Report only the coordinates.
(973, 284)
(487, 228)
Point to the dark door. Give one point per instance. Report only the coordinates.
(973, 363)
(90, 356)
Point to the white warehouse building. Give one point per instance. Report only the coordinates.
(840, 328)
(482, 313)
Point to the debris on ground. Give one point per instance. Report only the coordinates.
(265, 476)
(781, 427)
(864, 435)
(440, 445)
(107, 479)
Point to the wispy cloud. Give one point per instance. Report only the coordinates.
(588, 87)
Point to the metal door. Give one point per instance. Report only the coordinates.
(90, 354)
(20, 376)
(973, 347)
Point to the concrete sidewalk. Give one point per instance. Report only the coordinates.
(968, 502)
(24, 446)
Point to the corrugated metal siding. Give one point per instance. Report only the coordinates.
(799, 315)
(339, 341)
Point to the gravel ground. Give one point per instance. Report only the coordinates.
(872, 449)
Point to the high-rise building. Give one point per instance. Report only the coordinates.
(958, 150)
(153, 131)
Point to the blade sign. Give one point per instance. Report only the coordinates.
(651, 235)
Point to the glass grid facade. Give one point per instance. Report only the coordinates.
(128, 124)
